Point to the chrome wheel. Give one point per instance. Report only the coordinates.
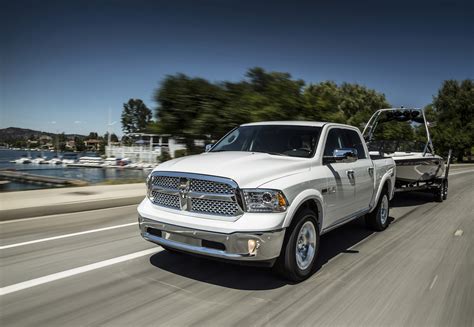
(306, 245)
(383, 212)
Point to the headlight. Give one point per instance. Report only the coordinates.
(261, 200)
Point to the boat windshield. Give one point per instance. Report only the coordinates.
(284, 140)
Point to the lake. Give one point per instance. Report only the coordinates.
(91, 175)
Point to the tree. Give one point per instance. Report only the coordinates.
(135, 116)
(113, 137)
(189, 108)
(93, 136)
(79, 144)
(194, 108)
(453, 110)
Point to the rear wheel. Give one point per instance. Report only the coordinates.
(378, 219)
(301, 247)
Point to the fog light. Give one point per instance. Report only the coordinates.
(253, 246)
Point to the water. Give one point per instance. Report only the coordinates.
(91, 175)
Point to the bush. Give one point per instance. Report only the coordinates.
(164, 156)
(180, 153)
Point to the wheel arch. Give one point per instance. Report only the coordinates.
(311, 199)
(386, 181)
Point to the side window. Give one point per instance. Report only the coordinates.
(333, 141)
(353, 140)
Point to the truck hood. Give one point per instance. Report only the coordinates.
(248, 169)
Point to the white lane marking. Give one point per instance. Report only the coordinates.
(459, 232)
(61, 214)
(65, 236)
(460, 172)
(434, 281)
(75, 271)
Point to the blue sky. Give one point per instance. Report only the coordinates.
(65, 63)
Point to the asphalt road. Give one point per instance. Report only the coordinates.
(419, 272)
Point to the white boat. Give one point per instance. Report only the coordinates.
(39, 161)
(23, 160)
(55, 161)
(91, 161)
(415, 163)
(111, 161)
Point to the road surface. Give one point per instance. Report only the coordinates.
(93, 268)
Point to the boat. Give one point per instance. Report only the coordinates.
(86, 161)
(23, 160)
(111, 161)
(39, 161)
(55, 161)
(69, 158)
(415, 160)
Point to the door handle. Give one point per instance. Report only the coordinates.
(350, 174)
(371, 171)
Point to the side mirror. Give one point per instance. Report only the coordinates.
(345, 155)
(208, 147)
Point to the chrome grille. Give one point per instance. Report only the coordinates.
(165, 200)
(203, 186)
(195, 193)
(166, 181)
(216, 207)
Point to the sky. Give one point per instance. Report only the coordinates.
(65, 64)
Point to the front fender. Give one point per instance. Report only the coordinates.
(309, 194)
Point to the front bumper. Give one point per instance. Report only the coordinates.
(234, 246)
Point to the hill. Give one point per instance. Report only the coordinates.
(12, 134)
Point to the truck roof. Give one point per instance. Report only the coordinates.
(289, 122)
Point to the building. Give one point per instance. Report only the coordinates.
(145, 148)
(92, 144)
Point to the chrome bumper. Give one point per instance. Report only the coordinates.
(233, 246)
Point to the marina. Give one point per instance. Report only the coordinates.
(62, 166)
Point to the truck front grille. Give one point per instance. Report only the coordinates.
(195, 193)
(223, 208)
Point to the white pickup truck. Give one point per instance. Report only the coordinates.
(266, 192)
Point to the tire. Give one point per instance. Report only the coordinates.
(445, 189)
(378, 219)
(439, 193)
(300, 248)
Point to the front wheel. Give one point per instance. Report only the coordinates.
(301, 247)
(378, 219)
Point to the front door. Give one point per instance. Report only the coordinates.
(340, 193)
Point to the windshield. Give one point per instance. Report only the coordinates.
(285, 140)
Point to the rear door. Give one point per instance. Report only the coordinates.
(363, 171)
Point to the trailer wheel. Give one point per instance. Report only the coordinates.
(445, 189)
(439, 191)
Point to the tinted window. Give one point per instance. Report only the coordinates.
(334, 141)
(353, 140)
(344, 138)
(286, 140)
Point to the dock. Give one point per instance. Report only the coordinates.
(17, 176)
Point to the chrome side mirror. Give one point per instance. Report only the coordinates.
(345, 155)
(208, 147)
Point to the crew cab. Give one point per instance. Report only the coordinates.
(265, 193)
